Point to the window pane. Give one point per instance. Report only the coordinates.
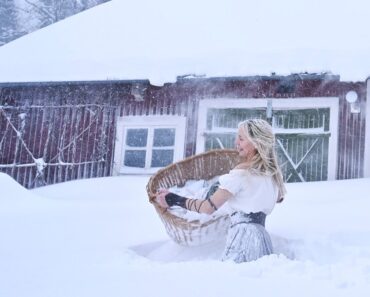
(219, 140)
(161, 158)
(137, 137)
(230, 117)
(164, 137)
(135, 158)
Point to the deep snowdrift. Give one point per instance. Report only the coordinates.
(101, 237)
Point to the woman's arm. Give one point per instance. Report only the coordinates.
(167, 199)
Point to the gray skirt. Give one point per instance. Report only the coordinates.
(247, 238)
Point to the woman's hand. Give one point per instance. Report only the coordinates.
(161, 197)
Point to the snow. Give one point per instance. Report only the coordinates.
(101, 237)
(160, 40)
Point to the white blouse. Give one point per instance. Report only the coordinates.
(251, 192)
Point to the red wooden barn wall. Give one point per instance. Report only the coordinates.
(71, 126)
(89, 109)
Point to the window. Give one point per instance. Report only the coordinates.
(148, 143)
(222, 125)
(149, 147)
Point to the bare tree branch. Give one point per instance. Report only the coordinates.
(42, 11)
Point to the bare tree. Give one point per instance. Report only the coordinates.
(19, 17)
(51, 11)
(8, 22)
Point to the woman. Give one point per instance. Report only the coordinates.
(252, 188)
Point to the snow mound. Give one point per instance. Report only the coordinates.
(14, 198)
(10, 189)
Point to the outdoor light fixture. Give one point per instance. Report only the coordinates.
(351, 98)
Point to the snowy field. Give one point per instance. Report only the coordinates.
(101, 237)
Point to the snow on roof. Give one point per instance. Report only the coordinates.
(160, 40)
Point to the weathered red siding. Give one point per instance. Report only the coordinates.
(76, 121)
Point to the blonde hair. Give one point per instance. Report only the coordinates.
(265, 161)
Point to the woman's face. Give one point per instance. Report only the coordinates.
(244, 145)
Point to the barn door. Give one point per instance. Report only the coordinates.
(303, 136)
(222, 123)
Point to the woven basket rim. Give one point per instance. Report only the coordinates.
(151, 194)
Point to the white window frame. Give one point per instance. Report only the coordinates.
(147, 122)
(277, 103)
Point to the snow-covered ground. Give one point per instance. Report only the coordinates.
(101, 237)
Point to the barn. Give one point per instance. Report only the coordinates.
(128, 87)
(58, 131)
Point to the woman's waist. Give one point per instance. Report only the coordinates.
(240, 217)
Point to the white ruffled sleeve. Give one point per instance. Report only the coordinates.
(230, 182)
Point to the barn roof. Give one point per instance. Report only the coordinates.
(164, 39)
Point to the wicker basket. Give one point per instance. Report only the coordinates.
(199, 167)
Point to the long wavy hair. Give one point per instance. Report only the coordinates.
(265, 161)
